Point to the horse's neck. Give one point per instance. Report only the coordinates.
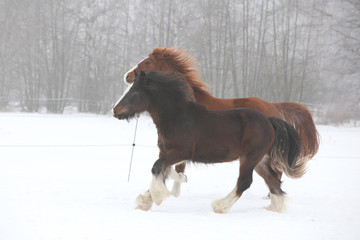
(211, 102)
(168, 114)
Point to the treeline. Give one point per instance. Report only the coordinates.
(56, 54)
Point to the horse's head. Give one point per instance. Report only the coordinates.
(133, 101)
(171, 61)
(153, 63)
(149, 90)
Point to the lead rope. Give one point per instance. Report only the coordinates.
(133, 147)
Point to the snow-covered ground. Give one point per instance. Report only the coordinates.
(65, 177)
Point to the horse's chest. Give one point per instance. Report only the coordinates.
(175, 132)
(174, 139)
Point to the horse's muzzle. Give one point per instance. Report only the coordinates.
(124, 114)
(120, 117)
(115, 115)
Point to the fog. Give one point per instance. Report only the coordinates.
(61, 55)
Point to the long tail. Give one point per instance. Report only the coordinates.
(285, 153)
(300, 118)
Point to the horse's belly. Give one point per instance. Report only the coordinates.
(215, 156)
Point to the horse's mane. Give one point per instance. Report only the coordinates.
(183, 63)
(172, 84)
(171, 92)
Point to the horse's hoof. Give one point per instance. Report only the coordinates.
(221, 211)
(217, 211)
(140, 208)
(144, 202)
(278, 203)
(276, 209)
(158, 203)
(219, 207)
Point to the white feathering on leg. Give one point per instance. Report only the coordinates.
(278, 203)
(224, 205)
(158, 190)
(178, 177)
(176, 189)
(144, 202)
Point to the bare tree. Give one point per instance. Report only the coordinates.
(59, 54)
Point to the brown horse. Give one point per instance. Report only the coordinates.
(190, 132)
(173, 60)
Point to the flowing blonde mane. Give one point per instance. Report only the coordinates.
(182, 62)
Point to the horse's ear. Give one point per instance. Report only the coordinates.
(162, 55)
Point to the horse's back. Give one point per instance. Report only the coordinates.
(239, 120)
(266, 108)
(229, 134)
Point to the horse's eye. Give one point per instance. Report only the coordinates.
(147, 63)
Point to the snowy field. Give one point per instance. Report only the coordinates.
(65, 177)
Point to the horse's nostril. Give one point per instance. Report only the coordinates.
(127, 76)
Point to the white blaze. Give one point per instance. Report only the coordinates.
(132, 69)
(125, 92)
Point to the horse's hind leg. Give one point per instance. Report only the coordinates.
(223, 205)
(277, 196)
(243, 183)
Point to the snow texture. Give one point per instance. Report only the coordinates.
(65, 177)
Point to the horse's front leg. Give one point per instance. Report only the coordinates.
(179, 177)
(161, 170)
(157, 193)
(158, 189)
(145, 201)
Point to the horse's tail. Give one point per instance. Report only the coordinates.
(300, 118)
(285, 152)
